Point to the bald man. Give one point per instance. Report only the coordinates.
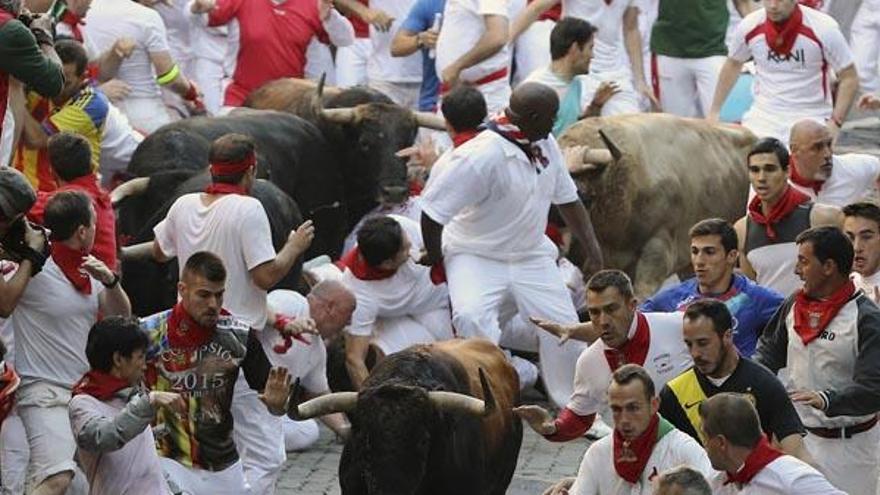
(815, 170)
(490, 209)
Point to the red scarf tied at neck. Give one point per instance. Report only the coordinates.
(360, 269)
(69, 261)
(459, 138)
(99, 385)
(812, 316)
(791, 199)
(781, 36)
(631, 456)
(635, 350)
(504, 127)
(797, 178)
(184, 331)
(758, 458)
(75, 22)
(227, 168)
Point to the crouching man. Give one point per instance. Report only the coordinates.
(110, 419)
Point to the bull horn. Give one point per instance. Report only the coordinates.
(340, 115)
(598, 157)
(326, 404)
(132, 187)
(460, 403)
(430, 120)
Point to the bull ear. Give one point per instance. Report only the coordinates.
(318, 98)
(488, 396)
(612, 147)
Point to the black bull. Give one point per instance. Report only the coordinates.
(430, 420)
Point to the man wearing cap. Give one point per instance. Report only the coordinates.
(227, 221)
(18, 240)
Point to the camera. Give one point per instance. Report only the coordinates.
(14, 246)
(43, 35)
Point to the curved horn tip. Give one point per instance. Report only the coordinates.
(321, 83)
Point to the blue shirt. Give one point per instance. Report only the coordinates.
(751, 305)
(421, 18)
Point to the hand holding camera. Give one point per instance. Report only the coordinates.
(42, 25)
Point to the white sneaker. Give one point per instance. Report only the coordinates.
(527, 371)
(599, 430)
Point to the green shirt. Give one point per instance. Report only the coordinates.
(690, 28)
(21, 58)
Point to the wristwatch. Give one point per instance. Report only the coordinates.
(113, 283)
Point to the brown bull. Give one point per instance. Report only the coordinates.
(648, 178)
(432, 419)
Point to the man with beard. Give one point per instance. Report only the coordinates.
(718, 367)
(827, 335)
(826, 178)
(861, 224)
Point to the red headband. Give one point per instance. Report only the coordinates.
(232, 167)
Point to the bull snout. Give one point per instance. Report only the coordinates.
(393, 194)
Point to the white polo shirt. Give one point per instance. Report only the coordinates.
(494, 202)
(235, 228)
(408, 292)
(596, 475)
(786, 475)
(51, 324)
(609, 54)
(463, 25)
(667, 358)
(308, 362)
(381, 66)
(109, 20)
(853, 178)
(800, 82)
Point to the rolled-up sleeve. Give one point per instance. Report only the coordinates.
(95, 432)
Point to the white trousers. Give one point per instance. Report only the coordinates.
(396, 334)
(625, 101)
(850, 464)
(145, 114)
(14, 456)
(865, 43)
(300, 435)
(532, 50)
(209, 75)
(777, 124)
(477, 288)
(687, 85)
(405, 94)
(319, 61)
(351, 63)
(259, 438)
(191, 481)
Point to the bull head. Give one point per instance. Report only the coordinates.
(346, 402)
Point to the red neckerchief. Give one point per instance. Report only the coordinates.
(69, 261)
(360, 269)
(781, 37)
(184, 331)
(797, 178)
(758, 458)
(459, 138)
(502, 125)
(99, 385)
(74, 21)
(791, 199)
(9, 382)
(631, 456)
(635, 350)
(224, 188)
(812, 316)
(96, 192)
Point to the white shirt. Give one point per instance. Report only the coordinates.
(109, 20)
(800, 82)
(178, 26)
(589, 83)
(118, 142)
(408, 292)
(51, 324)
(596, 475)
(235, 228)
(870, 285)
(134, 469)
(609, 54)
(786, 475)
(381, 66)
(494, 202)
(667, 358)
(464, 25)
(308, 362)
(853, 178)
